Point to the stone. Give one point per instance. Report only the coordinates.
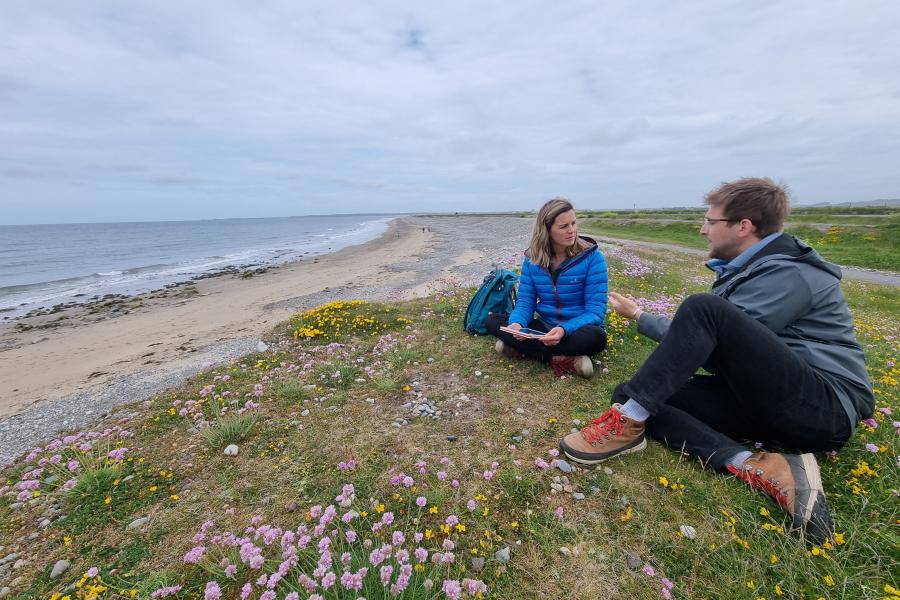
(478, 564)
(305, 412)
(370, 400)
(137, 523)
(359, 380)
(261, 346)
(565, 551)
(452, 438)
(9, 558)
(688, 531)
(44, 524)
(520, 411)
(578, 496)
(477, 373)
(502, 555)
(231, 450)
(564, 466)
(607, 471)
(18, 564)
(633, 561)
(568, 489)
(517, 439)
(556, 487)
(59, 568)
(292, 506)
(4, 592)
(526, 432)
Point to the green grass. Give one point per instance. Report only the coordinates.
(560, 547)
(868, 240)
(230, 429)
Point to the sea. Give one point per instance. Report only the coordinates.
(45, 265)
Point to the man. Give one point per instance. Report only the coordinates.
(776, 336)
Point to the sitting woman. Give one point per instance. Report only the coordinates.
(564, 279)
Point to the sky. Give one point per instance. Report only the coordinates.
(172, 110)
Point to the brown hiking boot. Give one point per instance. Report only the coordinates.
(793, 480)
(611, 434)
(580, 365)
(507, 350)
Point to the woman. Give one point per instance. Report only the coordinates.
(564, 279)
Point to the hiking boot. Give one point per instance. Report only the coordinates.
(507, 350)
(793, 480)
(580, 365)
(611, 434)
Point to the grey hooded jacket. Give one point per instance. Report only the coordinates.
(788, 287)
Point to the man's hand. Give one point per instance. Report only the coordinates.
(625, 306)
(554, 336)
(516, 326)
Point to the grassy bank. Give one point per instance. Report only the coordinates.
(388, 424)
(869, 239)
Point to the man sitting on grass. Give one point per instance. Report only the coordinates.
(776, 336)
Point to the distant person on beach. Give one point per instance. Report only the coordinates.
(564, 279)
(777, 338)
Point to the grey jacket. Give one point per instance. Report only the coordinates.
(792, 290)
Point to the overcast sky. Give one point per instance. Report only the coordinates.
(113, 110)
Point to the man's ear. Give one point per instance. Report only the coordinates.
(746, 227)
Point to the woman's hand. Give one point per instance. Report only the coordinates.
(625, 306)
(516, 326)
(554, 336)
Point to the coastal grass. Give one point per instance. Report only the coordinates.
(330, 413)
(868, 240)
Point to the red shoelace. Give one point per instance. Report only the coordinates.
(759, 482)
(562, 365)
(600, 427)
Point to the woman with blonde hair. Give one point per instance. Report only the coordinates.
(564, 280)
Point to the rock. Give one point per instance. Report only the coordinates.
(578, 496)
(4, 592)
(478, 564)
(607, 471)
(39, 340)
(370, 400)
(15, 506)
(137, 523)
(18, 564)
(305, 412)
(526, 432)
(633, 561)
(502, 555)
(688, 531)
(452, 438)
(359, 380)
(477, 373)
(564, 466)
(292, 506)
(44, 524)
(577, 422)
(59, 568)
(231, 450)
(261, 346)
(9, 558)
(517, 439)
(568, 489)
(565, 551)
(520, 411)
(556, 487)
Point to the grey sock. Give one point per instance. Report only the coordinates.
(634, 411)
(737, 461)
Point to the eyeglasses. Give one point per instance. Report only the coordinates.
(709, 221)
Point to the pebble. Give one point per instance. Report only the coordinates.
(478, 564)
(607, 471)
(452, 438)
(565, 551)
(517, 439)
(137, 523)
(564, 466)
(556, 487)
(568, 489)
(370, 400)
(305, 412)
(18, 564)
(431, 360)
(359, 380)
(577, 422)
(520, 411)
(477, 373)
(578, 496)
(502, 555)
(633, 561)
(526, 432)
(231, 450)
(44, 524)
(4, 592)
(59, 568)
(688, 531)
(261, 346)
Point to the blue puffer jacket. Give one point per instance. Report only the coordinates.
(575, 297)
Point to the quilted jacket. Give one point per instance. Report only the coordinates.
(572, 297)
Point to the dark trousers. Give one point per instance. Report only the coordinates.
(761, 390)
(588, 340)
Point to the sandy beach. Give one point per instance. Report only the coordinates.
(62, 370)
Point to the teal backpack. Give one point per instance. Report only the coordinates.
(497, 294)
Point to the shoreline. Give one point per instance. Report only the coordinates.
(59, 378)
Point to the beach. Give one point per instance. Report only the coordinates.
(62, 370)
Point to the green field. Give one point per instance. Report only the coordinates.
(476, 484)
(862, 237)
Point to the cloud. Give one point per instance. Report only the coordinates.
(181, 110)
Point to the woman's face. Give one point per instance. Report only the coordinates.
(564, 230)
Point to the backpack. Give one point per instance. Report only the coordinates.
(497, 294)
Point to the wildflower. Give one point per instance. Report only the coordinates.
(452, 588)
(773, 559)
(829, 580)
(195, 555)
(559, 512)
(212, 592)
(648, 570)
(872, 448)
(421, 501)
(92, 572)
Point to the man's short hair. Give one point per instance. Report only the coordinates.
(759, 199)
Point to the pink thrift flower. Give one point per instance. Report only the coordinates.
(471, 504)
(452, 588)
(559, 512)
(212, 591)
(195, 555)
(872, 447)
(454, 484)
(649, 571)
(421, 501)
(92, 572)
(442, 475)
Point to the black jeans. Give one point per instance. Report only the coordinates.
(760, 391)
(589, 340)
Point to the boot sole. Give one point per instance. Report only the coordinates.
(597, 461)
(811, 510)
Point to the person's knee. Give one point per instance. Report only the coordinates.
(703, 303)
(495, 321)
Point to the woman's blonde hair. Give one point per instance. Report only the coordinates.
(540, 250)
